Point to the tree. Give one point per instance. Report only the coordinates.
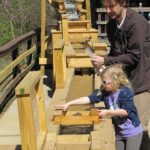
(15, 18)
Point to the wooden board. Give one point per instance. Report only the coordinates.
(73, 142)
(77, 118)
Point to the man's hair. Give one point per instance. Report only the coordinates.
(123, 1)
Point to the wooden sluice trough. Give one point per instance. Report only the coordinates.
(79, 127)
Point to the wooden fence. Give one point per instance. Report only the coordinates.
(17, 57)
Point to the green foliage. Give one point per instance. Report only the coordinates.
(15, 19)
(5, 33)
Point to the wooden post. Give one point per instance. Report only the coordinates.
(31, 108)
(88, 8)
(59, 56)
(83, 14)
(43, 18)
(65, 28)
(56, 35)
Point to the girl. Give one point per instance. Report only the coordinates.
(117, 94)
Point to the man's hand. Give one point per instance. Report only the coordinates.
(97, 61)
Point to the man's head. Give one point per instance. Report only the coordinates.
(115, 8)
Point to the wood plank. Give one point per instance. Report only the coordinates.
(83, 14)
(103, 136)
(73, 142)
(69, 50)
(93, 34)
(78, 46)
(65, 28)
(79, 62)
(59, 97)
(31, 106)
(77, 117)
(55, 36)
(75, 113)
(42, 61)
(50, 141)
(58, 44)
(88, 8)
(97, 82)
(30, 80)
(8, 70)
(10, 147)
(9, 126)
(78, 39)
(41, 107)
(60, 67)
(78, 24)
(43, 22)
(79, 4)
(28, 136)
(99, 47)
(75, 120)
(41, 139)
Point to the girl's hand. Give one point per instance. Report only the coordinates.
(103, 113)
(63, 107)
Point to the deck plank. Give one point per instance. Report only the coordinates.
(9, 126)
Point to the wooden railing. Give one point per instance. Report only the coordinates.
(31, 109)
(17, 57)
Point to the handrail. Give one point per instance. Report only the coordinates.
(10, 46)
(18, 57)
(20, 62)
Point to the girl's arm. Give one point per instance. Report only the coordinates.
(113, 113)
(79, 101)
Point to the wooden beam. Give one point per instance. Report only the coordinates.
(73, 142)
(79, 24)
(77, 117)
(31, 107)
(79, 62)
(55, 36)
(28, 136)
(42, 61)
(26, 85)
(79, 4)
(43, 20)
(83, 14)
(59, 56)
(65, 28)
(99, 47)
(88, 8)
(59, 97)
(8, 70)
(76, 120)
(91, 33)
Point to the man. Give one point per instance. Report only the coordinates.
(129, 35)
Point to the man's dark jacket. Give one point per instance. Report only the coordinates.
(130, 45)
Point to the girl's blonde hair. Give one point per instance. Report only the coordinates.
(117, 76)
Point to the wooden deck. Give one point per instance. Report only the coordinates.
(9, 128)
